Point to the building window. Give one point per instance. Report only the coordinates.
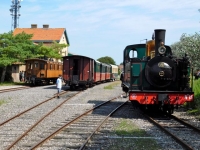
(14, 67)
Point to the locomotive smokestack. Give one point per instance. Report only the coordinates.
(159, 37)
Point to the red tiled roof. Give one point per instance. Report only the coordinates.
(42, 33)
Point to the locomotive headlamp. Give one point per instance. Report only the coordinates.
(161, 50)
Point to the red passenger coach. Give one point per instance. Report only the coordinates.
(97, 70)
(102, 72)
(78, 71)
(108, 70)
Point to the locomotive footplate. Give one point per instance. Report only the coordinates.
(164, 97)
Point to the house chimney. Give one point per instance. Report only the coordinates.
(45, 26)
(33, 25)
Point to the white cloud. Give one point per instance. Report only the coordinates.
(108, 24)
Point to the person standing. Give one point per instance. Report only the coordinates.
(20, 76)
(59, 85)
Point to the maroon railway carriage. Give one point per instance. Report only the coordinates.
(82, 71)
(78, 71)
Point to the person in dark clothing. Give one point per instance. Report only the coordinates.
(197, 74)
(20, 76)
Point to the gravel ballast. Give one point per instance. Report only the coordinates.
(18, 101)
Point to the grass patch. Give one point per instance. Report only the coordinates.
(193, 112)
(196, 88)
(12, 83)
(127, 129)
(2, 102)
(112, 85)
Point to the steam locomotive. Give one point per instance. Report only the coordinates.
(154, 78)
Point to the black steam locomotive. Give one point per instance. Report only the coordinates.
(154, 77)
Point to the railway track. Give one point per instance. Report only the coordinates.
(29, 109)
(91, 119)
(21, 124)
(14, 89)
(187, 135)
(76, 133)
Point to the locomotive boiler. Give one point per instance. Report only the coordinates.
(155, 78)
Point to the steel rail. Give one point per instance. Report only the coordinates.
(13, 89)
(67, 124)
(87, 140)
(1, 124)
(40, 120)
(185, 145)
(185, 123)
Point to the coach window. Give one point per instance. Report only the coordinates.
(133, 53)
(41, 65)
(36, 65)
(30, 66)
(51, 66)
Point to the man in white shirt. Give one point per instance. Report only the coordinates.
(59, 85)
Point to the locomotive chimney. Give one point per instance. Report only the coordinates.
(159, 37)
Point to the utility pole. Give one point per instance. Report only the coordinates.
(15, 13)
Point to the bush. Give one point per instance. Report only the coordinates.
(196, 89)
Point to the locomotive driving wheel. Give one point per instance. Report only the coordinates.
(168, 109)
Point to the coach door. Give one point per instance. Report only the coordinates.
(76, 69)
(136, 68)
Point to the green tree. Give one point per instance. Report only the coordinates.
(20, 47)
(57, 49)
(13, 49)
(189, 44)
(107, 60)
(52, 51)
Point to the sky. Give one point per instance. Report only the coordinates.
(99, 28)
